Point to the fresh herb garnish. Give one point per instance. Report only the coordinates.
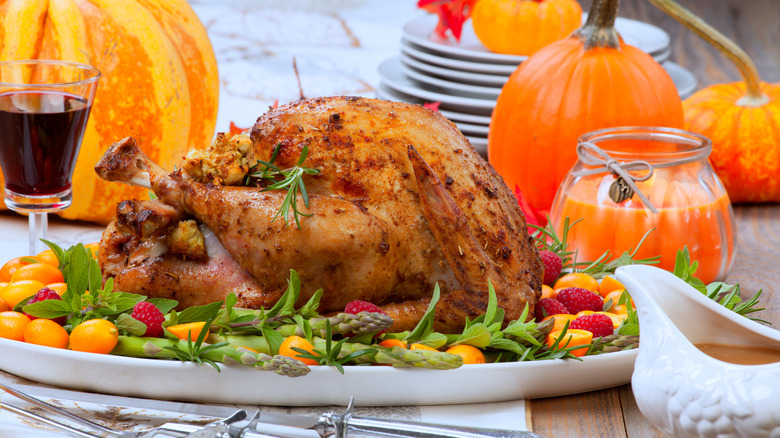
(283, 312)
(546, 238)
(603, 266)
(292, 181)
(727, 295)
(195, 351)
(423, 332)
(86, 296)
(330, 356)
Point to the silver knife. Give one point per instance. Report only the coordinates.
(333, 425)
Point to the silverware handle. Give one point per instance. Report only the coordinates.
(410, 429)
(177, 429)
(47, 421)
(54, 409)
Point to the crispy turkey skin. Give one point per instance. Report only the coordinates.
(402, 202)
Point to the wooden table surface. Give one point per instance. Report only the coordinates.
(752, 24)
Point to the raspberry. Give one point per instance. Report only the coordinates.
(46, 294)
(548, 306)
(552, 266)
(358, 306)
(150, 315)
(577, 299)
(596, 323)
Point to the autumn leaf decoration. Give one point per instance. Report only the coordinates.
(532, 215)
(433, 106)
(452, 14)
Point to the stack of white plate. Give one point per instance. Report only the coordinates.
(466, 78)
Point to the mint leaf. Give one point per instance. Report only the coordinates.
(122, 302)
(128, 324)
(310, 308)
(285, 306)
(95, 277)
(305, 326)
(523, 330)
(434, 340)
(478, 335)
(58, 252)
(48, 309)
(76, 271)
(490, 312)
(228, 314)
(425, 326)
(506, 344)
(165, 305)
(199, 313)
(273, 338)
(685, 269)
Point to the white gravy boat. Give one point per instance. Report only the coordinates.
(682, 390)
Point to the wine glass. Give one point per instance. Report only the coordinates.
(44, 107)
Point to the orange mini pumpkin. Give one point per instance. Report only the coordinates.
(742, 119)
(588, 81)
(521, 27)
(159, 80)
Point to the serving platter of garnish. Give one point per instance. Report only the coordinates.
(370, 385)
(233, 364)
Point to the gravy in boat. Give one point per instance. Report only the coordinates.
(740, 355)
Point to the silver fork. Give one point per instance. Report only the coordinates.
(168, 429)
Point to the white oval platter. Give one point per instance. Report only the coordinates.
(370, 385)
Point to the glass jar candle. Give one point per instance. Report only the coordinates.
(685, 204)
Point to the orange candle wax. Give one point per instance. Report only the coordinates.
(704, 227)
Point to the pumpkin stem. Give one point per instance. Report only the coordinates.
(599, 28)
(747, 68)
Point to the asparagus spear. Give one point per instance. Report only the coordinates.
(612, 343)
(237, 351)
(155, 348)
(342, 324)
(397, 356)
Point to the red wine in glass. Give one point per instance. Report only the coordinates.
(40, 136)
(44, 106)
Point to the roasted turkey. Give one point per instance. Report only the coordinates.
(402, 202)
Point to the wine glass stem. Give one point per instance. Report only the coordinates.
(38, 222)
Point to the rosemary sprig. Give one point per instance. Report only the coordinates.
(602, 266)
(292, 181)
(546, 238)
(330, 357)
(195, 350)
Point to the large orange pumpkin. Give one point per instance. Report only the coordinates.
(742, 119)
(159, 80)
(521, 27)
(588, 81)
